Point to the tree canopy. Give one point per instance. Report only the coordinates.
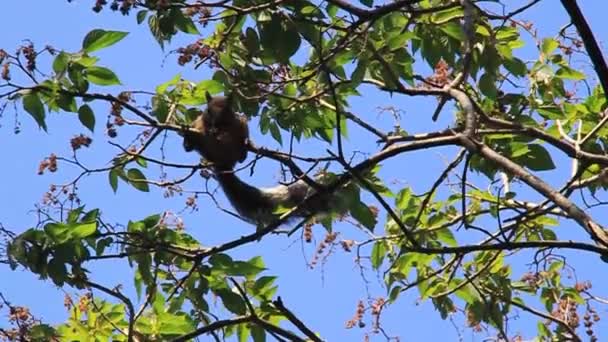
(476, 149)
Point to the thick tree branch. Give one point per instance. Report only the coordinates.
(599, 64)
(596, 232)
(509, 246)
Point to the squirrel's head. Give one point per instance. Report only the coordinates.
(218, 108)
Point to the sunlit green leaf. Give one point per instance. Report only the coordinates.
(568, 73)
(99, 39)
(102, 76)
(548, 45)
(83, 230)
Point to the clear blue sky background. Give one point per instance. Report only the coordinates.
(324, 297)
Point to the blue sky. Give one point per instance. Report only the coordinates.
(324, 297)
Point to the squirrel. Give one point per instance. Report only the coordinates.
(223, 140)
(223, 134)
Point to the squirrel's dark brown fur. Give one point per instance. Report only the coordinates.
(223, 134)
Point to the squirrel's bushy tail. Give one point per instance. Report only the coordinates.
(258, 205)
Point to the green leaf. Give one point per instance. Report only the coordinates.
(160, 89)
(487, 85)
(66, 102)
(394, 293)
(258, 334)
(404, 263)
(264, 286)
(241, 268)
(86, 117)
(516, 66)
(468, 293)
(446, 236)
(141, 16)
(507, 34)
(550, 112)
(184, 23)
(175, 324)
(453, 30)
(252, 42)
(33, 105)
(447, 15)
(211, 86)
(113, 179)
(538, 159)
(102, 76)
(556, 266)
(57, 271)
(61, 62)
(378, 253)
(548, 45)
(543, 331)
(98, 39)
(548, 234)
(42, 332)
(242, 331)
(227, 60)
(275, 132)
(86, 61)
(361, 212)
(280, 37)
(400, 40)
(152, 221)
(160, 108)
(138, 180)
(58, 232)
(359, 73)
(141, 162)
(568, 73)
(331, 9)
(92, 215)
(504, 51)
(518, 150)
(76, 75)
(83, 230)
(74, 214)
(233, 302)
